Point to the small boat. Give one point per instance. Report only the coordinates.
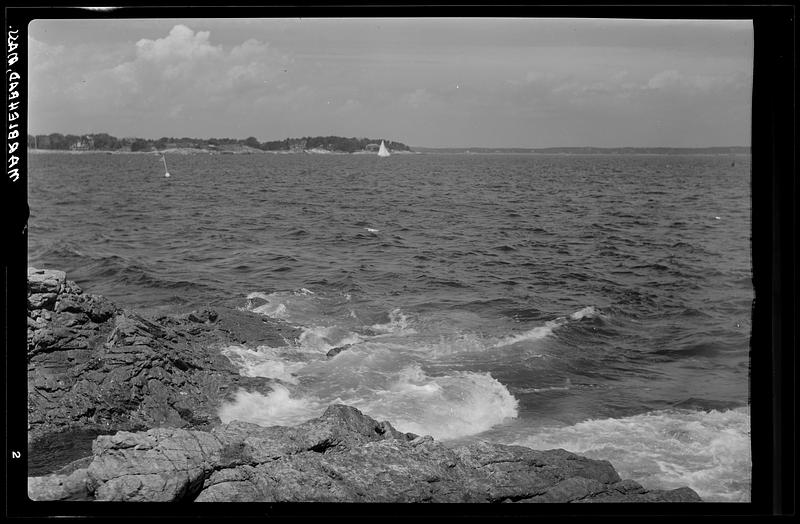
(383, 151)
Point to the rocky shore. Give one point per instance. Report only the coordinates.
(148, 391)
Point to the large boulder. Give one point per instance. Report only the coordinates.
(342, 456)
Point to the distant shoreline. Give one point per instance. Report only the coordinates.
(733, 150)
(418, 151)
(189, 151)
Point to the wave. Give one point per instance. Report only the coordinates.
(262, 362)
(277, 408)
(118, 277)
(60, 250)
(536, 333)
(276, 305)
(398, 323)
(547, 329)
(587, 312)
(445, 407)
(326, 322)
(321, 339)
(700, 348)
(271, 307)
(442, 282)
(455, 344)
(707, 450)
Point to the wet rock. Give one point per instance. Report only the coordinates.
(335, 351)
(249, 328)
(341, 456)
(45, 280)
(93, 365)
(203, 316)
(42, 300)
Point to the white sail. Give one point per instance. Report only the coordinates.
(383, 151)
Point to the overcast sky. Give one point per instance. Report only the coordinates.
(425, 82)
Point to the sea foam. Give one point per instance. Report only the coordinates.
(398, 324)
(262, 362)
(278, 408)
(707, 450)
(547, 329)
(445, 407)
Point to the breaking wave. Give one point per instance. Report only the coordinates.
(707, 450)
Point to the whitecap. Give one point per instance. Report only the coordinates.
(445, 407)
(278, 408)
(536, 333)
(547, 329)
(320, 339)
(708, 451)
(587, 312)
(398, 324)
(263, 362)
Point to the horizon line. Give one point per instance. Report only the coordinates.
(415, 146)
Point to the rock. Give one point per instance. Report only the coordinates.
(42, 300)
(45, 280)
(335, 351)
(253, 329)
(161, 465)
(55, 487)
(341, 456)
(94, 366)
(203, 316)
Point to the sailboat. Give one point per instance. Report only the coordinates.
(383, 151)
(166, 172)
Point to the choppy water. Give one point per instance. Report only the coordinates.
(595, 303)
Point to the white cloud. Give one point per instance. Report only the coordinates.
(182, 44)
(179, 74)
(671, 79)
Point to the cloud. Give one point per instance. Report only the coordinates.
(182, 44)
(178, 74)
(568, 88)
(671, 79)
(418, 98)
(185, 64)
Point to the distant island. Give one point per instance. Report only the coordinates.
(106, 142)
(329, 144)
(733, 150)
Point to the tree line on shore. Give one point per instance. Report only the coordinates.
(106, 142)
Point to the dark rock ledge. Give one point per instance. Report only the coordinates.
(93, 365)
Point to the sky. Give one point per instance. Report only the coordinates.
(433, 82)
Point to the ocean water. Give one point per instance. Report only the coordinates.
(599, 304)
